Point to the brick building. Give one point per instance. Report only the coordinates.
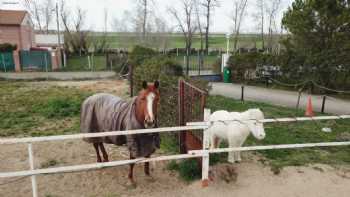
(16, 27)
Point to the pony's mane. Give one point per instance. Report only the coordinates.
(252, 114)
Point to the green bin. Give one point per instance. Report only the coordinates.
(227, 75)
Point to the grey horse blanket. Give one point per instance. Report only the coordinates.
(105, 112)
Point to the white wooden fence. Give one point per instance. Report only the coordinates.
(191, 154)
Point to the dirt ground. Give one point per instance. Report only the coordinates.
(117, 87)
(254, 178)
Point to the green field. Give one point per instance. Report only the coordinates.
(80, 63)
(28, 110)
(176, 40)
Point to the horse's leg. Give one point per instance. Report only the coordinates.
(104, 153)
(131, 171)
(147, 167)
(97, 152)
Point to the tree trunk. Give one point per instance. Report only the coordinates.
(207, 31)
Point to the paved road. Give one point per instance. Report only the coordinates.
(280, 97)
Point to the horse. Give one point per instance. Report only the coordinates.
(105, 112)
(235, 132)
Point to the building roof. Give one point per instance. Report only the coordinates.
(12, 17)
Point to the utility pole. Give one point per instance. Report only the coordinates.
(59, 35)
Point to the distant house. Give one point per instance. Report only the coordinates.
(16, 28)
(53, 44)
(34, 52)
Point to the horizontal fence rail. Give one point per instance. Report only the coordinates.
(281, 120)
(94, 166)
(204, 153)
(270, 147)
(93, 135)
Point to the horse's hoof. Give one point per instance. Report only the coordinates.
(131, 185)
(233, 162)
(105, 160)
(150, 179)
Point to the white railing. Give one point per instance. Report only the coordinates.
(191, 154)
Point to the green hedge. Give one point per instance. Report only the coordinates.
(7, 47)
(168, 73)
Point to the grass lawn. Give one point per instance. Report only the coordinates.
(293, 133)
(39, 111)
(28, 110)
(80, 63)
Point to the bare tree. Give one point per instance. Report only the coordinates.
(186, 22)
(239, 9)
(272, 8)
(209, 6)
(160, 38)
(48, 13)
(100, 43)
(76, 37)
(143, 9)
(122, 24)
(201, 34)
(35, 10)
(260, 17)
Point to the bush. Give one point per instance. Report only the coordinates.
(139, 54)
(188, 169)
(7, 47)
(167, 72)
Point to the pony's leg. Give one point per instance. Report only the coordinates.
(238, 154)
(231, 155)
(147, 167)
(213, 141)
(96, 145)
(104, 153)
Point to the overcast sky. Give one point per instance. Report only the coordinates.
(221, 21)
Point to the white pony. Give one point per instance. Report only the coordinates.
(235, 132)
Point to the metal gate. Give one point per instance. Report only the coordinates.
(35, 60)
(7, 63)
(191, 108)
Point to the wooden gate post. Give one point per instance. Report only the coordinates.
(205, 159)
(131, 80)
(182, 137)
(31, 164)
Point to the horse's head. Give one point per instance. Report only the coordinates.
(147, 104)
(256, 127)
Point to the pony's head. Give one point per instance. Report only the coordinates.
(147, 104)
(256, 127)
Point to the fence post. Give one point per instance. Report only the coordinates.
(242, 94)
(323, 104)
(182, 137)
(89, 61)
(31, 164)
(205, 158)
(47, 70)
(3, 61)
(299, 97)
(131, 80)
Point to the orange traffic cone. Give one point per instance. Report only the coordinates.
(309, 109)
